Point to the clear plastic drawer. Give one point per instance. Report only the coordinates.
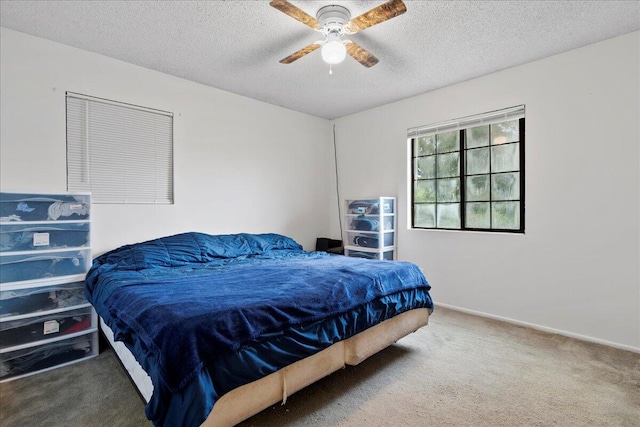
(43, 207)
(386, 255)
(34, 359)
(370, 240)
(25, 236)
(30, 266)
(370, 206)
(32, 329)
(31, 300)
(370, 223)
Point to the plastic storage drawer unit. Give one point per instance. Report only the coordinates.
(371, 224)
(25, 236)
(16, 302)
(44, 207)
(33, 359)
(45, 253)
(30, 266)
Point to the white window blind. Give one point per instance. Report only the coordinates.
(504, 115)
(121, 153)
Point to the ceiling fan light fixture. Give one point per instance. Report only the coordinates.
(333, 51)
(334, 21)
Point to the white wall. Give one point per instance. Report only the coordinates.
(240, 165)
(576, 269)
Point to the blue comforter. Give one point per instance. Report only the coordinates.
(183, 303)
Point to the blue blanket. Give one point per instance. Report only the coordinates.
(182, 302)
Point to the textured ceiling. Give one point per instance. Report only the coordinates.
(236, 45)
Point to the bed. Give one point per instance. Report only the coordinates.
(213, 329)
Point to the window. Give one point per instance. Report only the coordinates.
(468, 174)
(120, 153)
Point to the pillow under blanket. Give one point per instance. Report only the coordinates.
(192, 247)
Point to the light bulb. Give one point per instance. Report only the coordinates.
(333, 51)
(499, 140)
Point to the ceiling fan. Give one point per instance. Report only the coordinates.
(334, 22)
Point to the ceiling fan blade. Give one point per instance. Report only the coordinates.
(302, 52)
(360, 54)
(385, 11)
(298, 14)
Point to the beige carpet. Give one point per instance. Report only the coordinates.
(461, 370)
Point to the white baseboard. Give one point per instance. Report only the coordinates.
(541, 328)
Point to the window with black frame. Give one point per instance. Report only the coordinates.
(468, 174)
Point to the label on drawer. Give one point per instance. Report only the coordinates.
(51, 327)
(40, 239)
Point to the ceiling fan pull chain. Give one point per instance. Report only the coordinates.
(330, 70)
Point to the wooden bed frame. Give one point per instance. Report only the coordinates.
(249, 399)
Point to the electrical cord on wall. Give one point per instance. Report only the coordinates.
(335, 156)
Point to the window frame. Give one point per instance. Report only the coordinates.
(462, 175)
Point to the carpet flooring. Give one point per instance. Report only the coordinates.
(460, 370)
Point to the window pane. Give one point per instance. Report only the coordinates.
(505, 158)
(505, 186)
(504, 132)
(477, 161)
(424, 216)
(505, 215)
(424, 145)
(448, 165)
(448, 141)
(478, 215)
(425, 167)
(477, 137)
(424, 191)
(477, 188)
(448, 190)
(448, 215)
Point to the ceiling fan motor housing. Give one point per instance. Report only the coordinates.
(333, 18)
